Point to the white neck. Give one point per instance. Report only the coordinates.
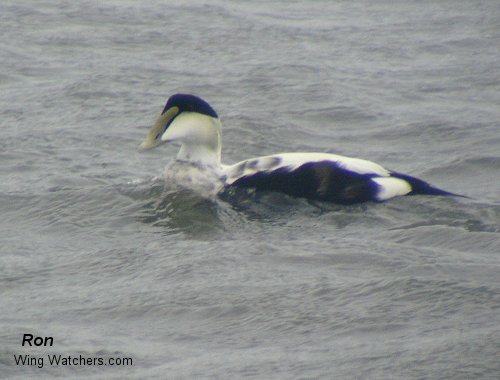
(199, 153)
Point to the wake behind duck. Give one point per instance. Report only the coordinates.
(193, 123)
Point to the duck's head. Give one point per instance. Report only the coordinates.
(189, 120)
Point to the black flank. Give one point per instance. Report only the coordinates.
(324, 181)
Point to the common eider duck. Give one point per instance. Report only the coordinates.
(192, 122)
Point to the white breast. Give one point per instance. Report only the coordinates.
(203, 180)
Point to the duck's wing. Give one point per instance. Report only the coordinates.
(318, 176)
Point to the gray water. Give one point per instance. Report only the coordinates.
(98, 253)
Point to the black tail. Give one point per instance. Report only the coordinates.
(420, 187)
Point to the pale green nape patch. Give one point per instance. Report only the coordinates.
(153, 138)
